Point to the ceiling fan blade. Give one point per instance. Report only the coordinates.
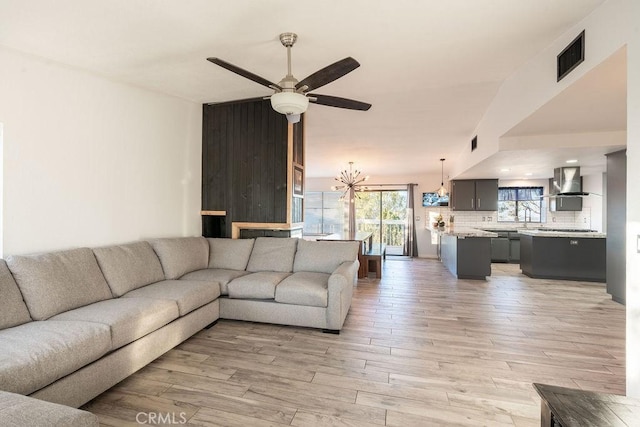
(244, 73)
(334, 101)
(328, 74)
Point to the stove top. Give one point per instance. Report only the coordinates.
(569, 230)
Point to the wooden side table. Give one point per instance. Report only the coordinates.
(567, 407)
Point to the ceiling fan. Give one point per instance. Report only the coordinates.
(291, 96)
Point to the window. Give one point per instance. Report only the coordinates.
(384, 213)
(323, 213)
(520, 204)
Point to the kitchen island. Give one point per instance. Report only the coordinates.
(564, 255)
(466, 252)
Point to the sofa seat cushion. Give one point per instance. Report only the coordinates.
(256, 285)
(181, 255)
(229, 254)
(220, 275)
(128, 318)
(13, 311)
(273, 254)
(36, 354)
(188, 294)
(128, 267)
(19, 411)
(55, 282)
(324, 257)
(304, 288)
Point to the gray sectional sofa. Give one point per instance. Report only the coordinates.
(74, 323)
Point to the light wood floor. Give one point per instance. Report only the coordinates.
(419, 348)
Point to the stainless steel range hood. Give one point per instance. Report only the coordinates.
(567, 182)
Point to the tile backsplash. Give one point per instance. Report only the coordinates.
(490, 218)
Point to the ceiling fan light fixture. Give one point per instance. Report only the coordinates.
(289, 103)
(293, 118)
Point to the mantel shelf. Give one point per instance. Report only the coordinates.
(214, 213)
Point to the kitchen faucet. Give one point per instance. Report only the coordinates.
(527, 209)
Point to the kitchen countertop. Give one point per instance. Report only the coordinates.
(547, 233)
(464, 232)
(513, 228)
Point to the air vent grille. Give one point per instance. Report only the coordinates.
(571, 56)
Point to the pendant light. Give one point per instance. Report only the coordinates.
(442, 191)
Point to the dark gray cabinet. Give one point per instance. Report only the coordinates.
(563, 258)
(500, 249)
(505, 247)
(487, 195)
(474, 195)
(514, 249)
(463, 195)
(563, 203)
(466, 257)
(617, 225)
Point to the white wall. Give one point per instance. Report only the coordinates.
(633, 203)
(88, 161)
(534, 84)
(1, 187)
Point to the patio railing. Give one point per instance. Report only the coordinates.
(393, 233)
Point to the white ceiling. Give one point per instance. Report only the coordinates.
(584, 122)
(430, 68)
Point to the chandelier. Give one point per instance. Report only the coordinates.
(351, 181)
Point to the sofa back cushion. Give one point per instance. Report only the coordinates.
(181, 255)
(128, 267)
(324, 257)
(230, 254)
(13, 311)
(55, 282)
(273, 254)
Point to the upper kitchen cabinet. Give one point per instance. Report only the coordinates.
(474, 195)
(563, 203)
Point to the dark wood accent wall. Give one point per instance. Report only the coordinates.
(298, 145)
(246, 162)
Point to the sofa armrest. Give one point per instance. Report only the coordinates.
(341, 283)
(17, 410)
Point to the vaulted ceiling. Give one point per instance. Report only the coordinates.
(430, 68)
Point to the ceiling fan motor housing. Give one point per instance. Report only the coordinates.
(288, 39)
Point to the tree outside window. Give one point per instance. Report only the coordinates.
(520, 204)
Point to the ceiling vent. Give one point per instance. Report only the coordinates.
(571, 56)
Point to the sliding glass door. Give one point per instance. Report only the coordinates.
(384, 213)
